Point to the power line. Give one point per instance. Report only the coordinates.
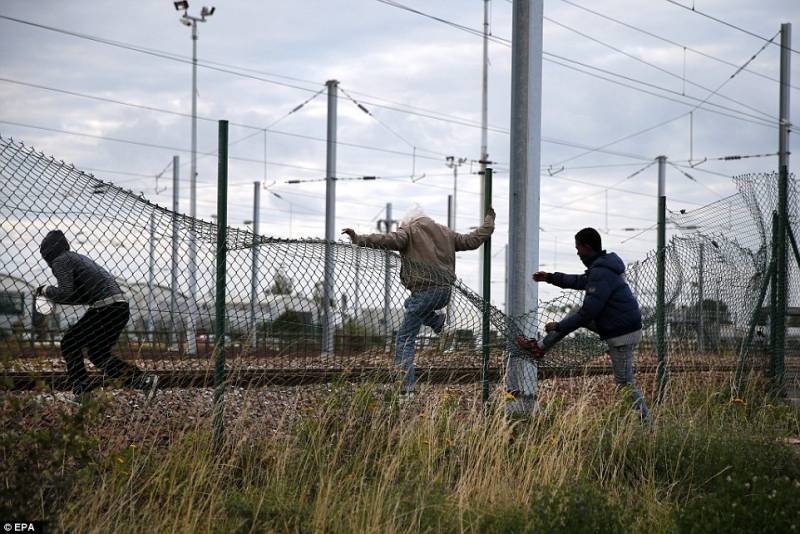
(706, 99)
(672, 42)
(660, 69)
(548, 57)
(758, 121)
(619, 140)
(427, 114)
(728, 24)
(258, 129)
(227, 69)
(621, 190)
(157, 146)
(423, 184)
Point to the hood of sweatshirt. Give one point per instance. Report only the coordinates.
(53, 245)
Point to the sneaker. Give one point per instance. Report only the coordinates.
(148, 384)
(439, 325)
(530, 345)
(407, 397)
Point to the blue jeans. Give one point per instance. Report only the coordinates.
(621, 366)
(419, 310)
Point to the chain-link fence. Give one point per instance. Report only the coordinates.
(278, 326)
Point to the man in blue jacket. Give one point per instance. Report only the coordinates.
(609, 309)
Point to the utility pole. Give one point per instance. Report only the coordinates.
(783, 211)
(524, 186)
(484, 124)
(661, 368)
(188, 20)
(329, 326)
(254, 300)
(174, 262)
(454, 163)
(701, 344)
(150, 329)
(386, 226)
(450, 212)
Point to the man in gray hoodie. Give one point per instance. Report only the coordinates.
(428, 254)
(82, 282)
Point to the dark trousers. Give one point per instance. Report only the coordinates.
(98, 330)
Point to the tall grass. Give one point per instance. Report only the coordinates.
(362, 462)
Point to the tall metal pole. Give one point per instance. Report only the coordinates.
(150, 329)
(387, 280)
(174, 263)
(254, 300)
(328, 327)
(487, 287)
(450, 213)
(524, 186)
(783, 210)
(454, 163)
(701, 344)
(455, 194)
(193, 175)
(484, 121)
(357, 284)
(222, 249)
(661, 369)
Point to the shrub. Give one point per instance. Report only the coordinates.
(741, 504)
(579, 507)
(41, 453)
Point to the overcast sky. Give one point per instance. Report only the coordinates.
(421, 80)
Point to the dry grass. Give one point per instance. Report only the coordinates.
(351, 458)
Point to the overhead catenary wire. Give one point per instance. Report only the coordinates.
(672, 42)
(726, 23)
(698, 106)
(257, 129)
(611, 187)
(229, 70)
(261, 77)
(661, 69)
(547, 55)
(159, 146)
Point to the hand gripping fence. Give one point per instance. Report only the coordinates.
(715, 267)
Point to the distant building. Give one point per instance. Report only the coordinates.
(16, 304)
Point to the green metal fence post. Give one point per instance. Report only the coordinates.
(487, 285)
(774, 313)
(793, 241)
(769, 278)
(782, 280)
(743, 351)
(661, 369)
(222, 238)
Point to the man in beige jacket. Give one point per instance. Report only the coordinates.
(428, 254)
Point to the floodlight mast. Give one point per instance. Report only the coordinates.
(189, 20)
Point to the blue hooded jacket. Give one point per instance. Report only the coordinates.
(609, 301)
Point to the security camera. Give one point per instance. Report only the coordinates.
(207, 11)
(185, 21)
(181, 4)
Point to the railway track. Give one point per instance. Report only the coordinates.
(248, 378)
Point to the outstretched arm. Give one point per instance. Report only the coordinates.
(476, 238)
(392, 241)
(597, 293)
(567, 281)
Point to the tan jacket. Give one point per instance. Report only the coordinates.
(428, 250)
